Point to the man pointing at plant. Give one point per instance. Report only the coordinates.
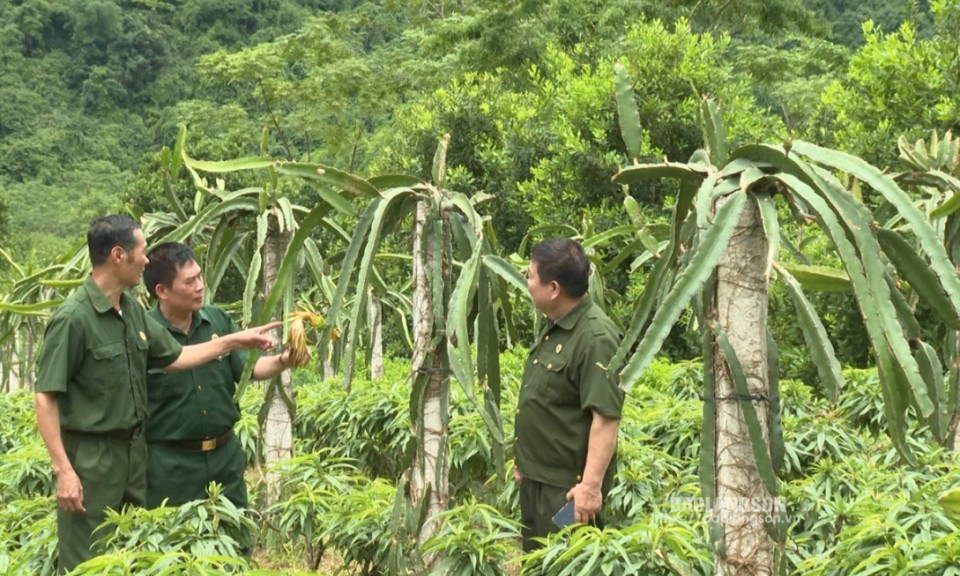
(569, 408)
(192, 414)
(91, 399)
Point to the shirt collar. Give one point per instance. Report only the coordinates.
(573, 316)
(202, 315)
(99, 300)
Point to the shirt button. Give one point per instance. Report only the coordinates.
(547, 337)
(549, 366)
(578, 477)
(535, 361)
(199, 387)
(204, 412)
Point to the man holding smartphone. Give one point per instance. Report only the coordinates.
(569, 408)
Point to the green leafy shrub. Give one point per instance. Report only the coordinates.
(850, 501)
(474, 538)
(28, 537)
(814, 438)
(797, 397)
(888, 532)
(671, 548)
(25, 471)
(867, 512)
(682, 380)
(373, 527)
(16, 420)
(472, 468)
(201, 528)
(861, 400)
(647, 479)
(370, 523)
(508, 500)
(309, 485)
(248, 428)
(148, 563)
(672, 424)
(248, 434)
(473, 464)
(371, 424)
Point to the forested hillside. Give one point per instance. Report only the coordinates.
(91, 90)
(88, 89)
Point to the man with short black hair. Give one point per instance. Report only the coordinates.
(569, 408)
(192, 414)
(91, 395)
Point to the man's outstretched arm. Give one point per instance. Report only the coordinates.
(199, 354)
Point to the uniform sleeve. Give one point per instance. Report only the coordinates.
(61, 354)
(599, 388)
(164, 349)
(238, 358)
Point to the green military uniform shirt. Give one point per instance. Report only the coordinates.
(564, 381)
(198, 403)
(97, 359)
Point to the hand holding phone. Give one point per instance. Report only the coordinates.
(564, 516)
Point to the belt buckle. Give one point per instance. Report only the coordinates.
(208, 445)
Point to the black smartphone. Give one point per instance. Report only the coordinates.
(564, 516)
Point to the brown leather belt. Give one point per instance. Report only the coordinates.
(205, 445)
(127, 434)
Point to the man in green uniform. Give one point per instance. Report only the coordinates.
(190, 429)
(569, 407)
(91, 394)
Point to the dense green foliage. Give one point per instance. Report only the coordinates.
(525, 89)
(89, 95)
(87, 89)
(91, 91)
(849, 501)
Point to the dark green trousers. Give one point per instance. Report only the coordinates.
(539, 503)
(113, 474)
(181, 476)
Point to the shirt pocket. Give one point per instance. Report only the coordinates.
(109, 364)
(138, 360)
(554, 384)
(108, 352)
(163, 387)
